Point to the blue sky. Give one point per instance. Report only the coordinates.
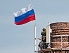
(20, 39)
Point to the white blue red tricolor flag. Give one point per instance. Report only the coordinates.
(24, 16)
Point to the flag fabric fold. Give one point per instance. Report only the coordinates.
(24, 16)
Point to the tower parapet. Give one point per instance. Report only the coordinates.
(59, 38)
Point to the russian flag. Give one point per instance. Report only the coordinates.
(24, 16)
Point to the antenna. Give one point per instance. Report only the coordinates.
(48, 20)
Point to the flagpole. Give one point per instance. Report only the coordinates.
(34, 38)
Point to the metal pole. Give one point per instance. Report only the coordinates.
(35, 38)
(61, 43)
